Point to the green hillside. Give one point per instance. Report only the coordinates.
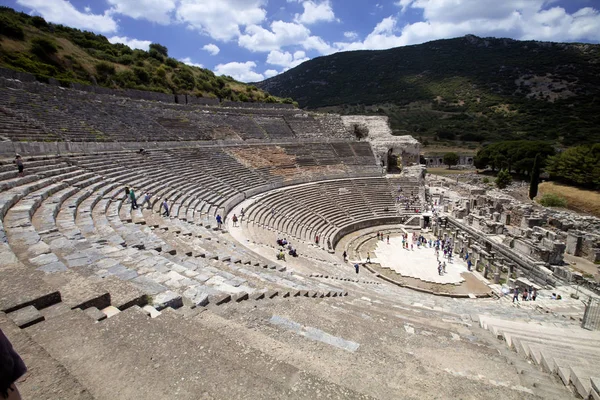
(30, 44)
(467, 89)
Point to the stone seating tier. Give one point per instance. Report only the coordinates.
(31, 111)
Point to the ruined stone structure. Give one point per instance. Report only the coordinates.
(383, 142)
(436, 160)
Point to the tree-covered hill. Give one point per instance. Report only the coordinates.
(30, 44)
(467, 89)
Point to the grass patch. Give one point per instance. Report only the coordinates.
(446, 171)
(581, 200)
(553, 200)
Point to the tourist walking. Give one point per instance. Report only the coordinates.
(368, 257)
(242, 212)
(126, 194)
(219, 221)
(534, 294)
(388, 238)
(134, 205)
(146, 200)
(356, 267)
(345, 255)
(516, 294)
(165, 206)
(19, 163)
(234, 219)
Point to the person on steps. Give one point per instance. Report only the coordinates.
(12, 368)
(165, 205)
(134, 205)
(345, 255)
(219, 221)
(516, 295)
(368, 257)
(234, 219)
(126, 194)
(356, 267)
(19, 163)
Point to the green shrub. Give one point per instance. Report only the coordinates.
(553, 200)
(156, 55)
(39, 22)
(126, 78)
(161, 72)
(486, 180)
(104, 70)
(10, 29)
(160, 49)
(142, 75)
(43, 48)
(171, 62)
(503, 179)
(125, 59)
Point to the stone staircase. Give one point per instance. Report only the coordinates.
(567, 352)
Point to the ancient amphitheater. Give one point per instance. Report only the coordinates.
(103, 301)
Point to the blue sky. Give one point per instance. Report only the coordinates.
(255, 39)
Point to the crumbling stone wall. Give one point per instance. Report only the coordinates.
(381, 139)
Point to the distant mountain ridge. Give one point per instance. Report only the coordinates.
(469, 88)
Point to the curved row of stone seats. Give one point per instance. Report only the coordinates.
(35, 252)
(66, 114)
(133, 231)
(16, 127)
(572, 353)
(238, 264)
(320, 209)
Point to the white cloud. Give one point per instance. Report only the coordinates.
(270, 73)
(240, 71)
(221, 19)
(257, 38)
(152, 10)
(188, 61)
(133, 43)
(517, 19)
(350, 35)
(404, 4)
(63, 12)
(314, 12)
(282, 34)
(286, 59)
(213, 49)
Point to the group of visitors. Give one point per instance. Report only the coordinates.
(284, 246)
(380, 236)
(132, 199)
(528, 294)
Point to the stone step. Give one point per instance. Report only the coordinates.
(48, 378)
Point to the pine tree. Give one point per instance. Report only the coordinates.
(535, 177)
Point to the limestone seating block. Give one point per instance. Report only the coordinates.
(151, 311)
(167, 299)
(95, 314)
(110, 311)
(241, 297)
(26, 317)
(221, 299)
